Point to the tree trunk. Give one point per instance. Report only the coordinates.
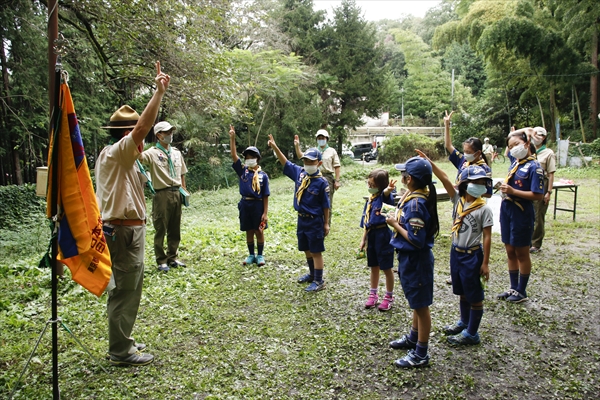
(541, 111)
(594, 87)
(580, 119)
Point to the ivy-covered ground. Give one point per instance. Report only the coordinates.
(222, 330)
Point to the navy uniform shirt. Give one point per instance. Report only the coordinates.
(415, 218)
(459, 161)
(529, 178)
(316, 196)
(246, 176)
(376, 218)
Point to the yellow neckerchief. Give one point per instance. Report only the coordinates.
(368, 210)
(516, 167)
(419, 193)
(305, 183)
(461, 214)
(255, 183)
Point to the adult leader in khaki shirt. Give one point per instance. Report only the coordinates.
(167, 170)
(331, 163)
(120, 196)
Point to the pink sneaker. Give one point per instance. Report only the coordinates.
(386, 304)
(372, 300)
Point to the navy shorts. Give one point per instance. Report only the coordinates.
(311, 234)
(464, 269)
(380, 253)
(251, 212)
(516, 226)
(415, 269)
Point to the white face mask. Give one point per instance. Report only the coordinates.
(321, 142)
(476, 190)
(519, 152)
(469, 157)
(250, 162)
(167, 139)
(536, 141)
(311, 169)
(373, 190)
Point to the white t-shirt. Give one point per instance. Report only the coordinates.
(471, 230)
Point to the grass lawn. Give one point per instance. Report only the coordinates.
(222, 330)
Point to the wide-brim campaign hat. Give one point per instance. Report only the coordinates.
(473, 172)
(125, 117)
(417, 167)
(322, 132)
(312, 154)
(253, 150)
(163, 126)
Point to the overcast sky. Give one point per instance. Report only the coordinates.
(374, 10)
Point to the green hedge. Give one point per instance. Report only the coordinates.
(398, 149)
(20, 206)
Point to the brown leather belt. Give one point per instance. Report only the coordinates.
(126, 222)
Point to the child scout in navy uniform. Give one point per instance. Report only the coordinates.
(120, 196)
(416, 225)
(376, 237)
(167, 170)
(523, 185)
(254, 205)
(311, 201)
(469, 261)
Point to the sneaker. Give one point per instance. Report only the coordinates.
(516, 297)
(534, 249)
(403, 343)
(412, 360)
(455, 328)
(136, 358)
(386, 304)
(163, 268)
(251, 259)
(308, 278)
(372, 300)
(176, 263)
(463, 339)
(315, 286)
(140, 346)
(504, 295)
(449, 281)
(260, 260)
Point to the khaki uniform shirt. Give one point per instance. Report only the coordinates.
(547, 160)
(158, 164)
(119, 189)
(330, 159)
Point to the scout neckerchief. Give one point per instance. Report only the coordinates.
(368, 210)
(140, 167)
(168, 154)
(460, 214)
(324, 148)
(516, 167)
(255, 183)
(417, 194)
(538, 151)
(305, 183)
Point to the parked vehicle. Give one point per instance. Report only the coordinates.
(347, 152)
(371, 155)
(361, 148)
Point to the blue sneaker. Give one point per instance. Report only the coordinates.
(403, 343)
(315, 286)
(455, 328)
(464, 338)
(516, 297)
(308, 278)
(251, 259)
(163, 268)
(412, 360)
(260, 260)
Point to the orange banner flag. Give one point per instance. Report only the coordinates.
(81, 242)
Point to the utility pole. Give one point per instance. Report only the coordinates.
(402, 91)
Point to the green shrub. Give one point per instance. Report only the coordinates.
(20, 206)
(398, 149)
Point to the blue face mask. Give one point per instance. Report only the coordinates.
(373, 190)
(476, 190)
(322, 142)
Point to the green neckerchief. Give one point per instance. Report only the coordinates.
(540, 149)
(168, 154)
(326, 147)
(141, 168)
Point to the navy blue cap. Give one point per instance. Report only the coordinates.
(312, 154)
(473, 172)
(417, 167)
(253, 150)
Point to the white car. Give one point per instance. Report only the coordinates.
(347, 152)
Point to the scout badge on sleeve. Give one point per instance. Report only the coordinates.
(416, 224)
